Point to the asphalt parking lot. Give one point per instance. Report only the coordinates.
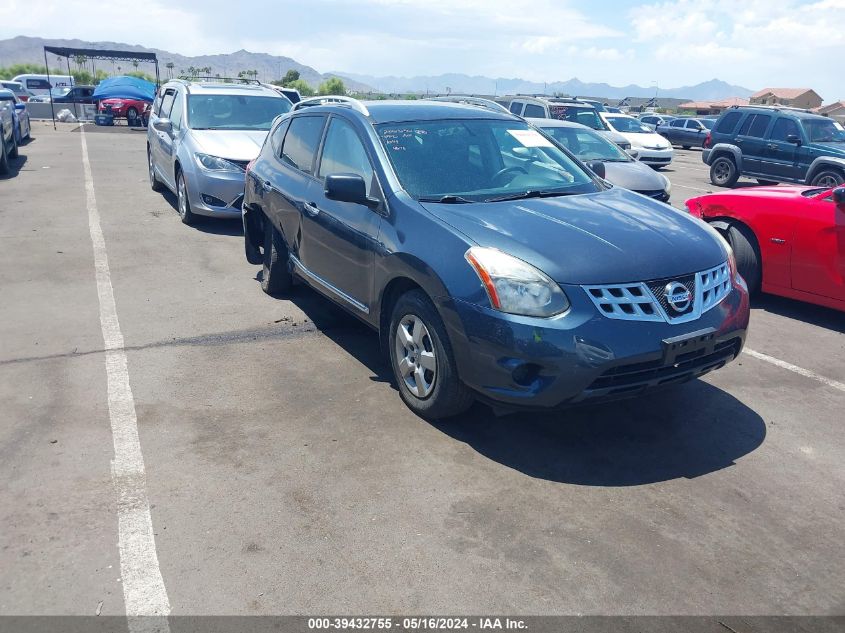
(283, 475)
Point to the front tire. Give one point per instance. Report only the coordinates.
(4, 157)
(275, 278)
(13, 153)
(723, 172)
(747, 254)
(184, 204)
(829, 178)
(422, 360)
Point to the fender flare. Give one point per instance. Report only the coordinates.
(824, 161)
(722, 148)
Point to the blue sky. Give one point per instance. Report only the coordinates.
(670, 43)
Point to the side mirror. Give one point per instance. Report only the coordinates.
(793, 138)
(20, 106)
(349, 188)
(839, 195)
(597, 168)
(163, 125)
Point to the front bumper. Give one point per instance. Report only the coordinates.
(216, 193)
(583, 356)
(655, 156)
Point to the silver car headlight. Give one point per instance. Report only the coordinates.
(667, 187)
(215, 163)
(514, 286)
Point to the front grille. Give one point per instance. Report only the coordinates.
(635, 377)
(657, 194)
(648, 301)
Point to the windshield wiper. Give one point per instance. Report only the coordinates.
(450, 199)
(531, 193)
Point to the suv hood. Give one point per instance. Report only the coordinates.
(607, 237)
(230, 144)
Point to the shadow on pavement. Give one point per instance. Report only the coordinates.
(685, 431)
(819, 316)
(15, 165)
(233, 227)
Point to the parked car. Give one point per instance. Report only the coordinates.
(618, 166)
(686, 132)
(123, 108)
(654, 150)
(17, 87)
(292, 94)
(8, 139)
(23, 130)
(491, 262)
(76, 94)
(564, 109)
(200, 138)
(598, 105)
(652, 120)
(43, 84)
(788, 240)
(775, 144)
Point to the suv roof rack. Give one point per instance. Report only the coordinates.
(335, 99)
(217, 80)
(777, 107)
(473, 101)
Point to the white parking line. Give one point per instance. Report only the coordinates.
(144, 593)
(675, 184)
(794, 368)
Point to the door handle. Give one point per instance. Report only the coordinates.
(772, 146)
(311, 209)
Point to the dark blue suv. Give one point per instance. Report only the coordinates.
(775, 144)
(493, 263)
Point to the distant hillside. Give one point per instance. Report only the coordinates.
(459, 83)
(30, 50)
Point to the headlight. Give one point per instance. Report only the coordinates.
(215, 163)
(514, 286)
(668, 186)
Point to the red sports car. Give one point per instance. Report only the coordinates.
(122, 107)
(788, 241)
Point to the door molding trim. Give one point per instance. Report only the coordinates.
(302, 270)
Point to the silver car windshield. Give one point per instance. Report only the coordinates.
(234, 112)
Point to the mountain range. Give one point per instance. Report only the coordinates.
(271, 67)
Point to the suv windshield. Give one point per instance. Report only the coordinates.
(625, 124)
(585, 115)
(823, 131)
(479, 160)
(234, 112)
(586, 144)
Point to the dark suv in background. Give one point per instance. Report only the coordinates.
(775, 144)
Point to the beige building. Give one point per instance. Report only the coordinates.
(795, 97)
(835, 111)
(705, 108)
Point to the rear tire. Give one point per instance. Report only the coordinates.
(4, 157)
(828, 179)
(422, 360)
(723, 172)
(747, 254)
(275, 278)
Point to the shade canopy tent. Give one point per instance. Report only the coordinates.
(125, 87)
(94, 54)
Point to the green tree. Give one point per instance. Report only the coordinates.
(169, 66)
(289, 78)
(304, 89)
(332, 86)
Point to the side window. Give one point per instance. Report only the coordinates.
(277, 137)
(727, 123)
(677, 123)
(692, 124)
(758, 127)
(746, 125)
(784, 127)
(301, 142)
(38, 84)
(157, 104)
(176, 112)
(535, 111)
(167, 103)
(343, 153)
(516, 107)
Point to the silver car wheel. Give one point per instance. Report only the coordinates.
(415, 356)
(152, 168)
(182, 194)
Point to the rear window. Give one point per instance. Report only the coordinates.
(301, 141)
(727, 124)
(534, 111)
(578, 114)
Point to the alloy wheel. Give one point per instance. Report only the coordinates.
(827, 182)
(415, 356)
(152, 168)
(721, 172)
(182, 194)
